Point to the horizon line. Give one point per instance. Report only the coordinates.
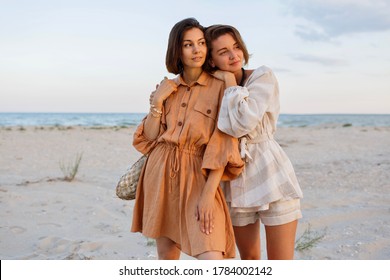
(43, 112)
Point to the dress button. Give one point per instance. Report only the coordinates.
(188, 88)
(208, 111)
(183, 104)
(179, 123)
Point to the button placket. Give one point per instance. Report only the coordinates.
(183, 108)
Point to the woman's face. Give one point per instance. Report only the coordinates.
(226, 54)
(194, 48)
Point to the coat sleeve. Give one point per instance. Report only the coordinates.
(243, 108)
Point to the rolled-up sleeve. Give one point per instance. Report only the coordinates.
(222, 152)
(143, 144)
(243, 108)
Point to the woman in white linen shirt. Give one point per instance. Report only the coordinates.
(268, 190)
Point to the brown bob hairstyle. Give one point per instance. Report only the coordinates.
(213, 32)
(173, 60)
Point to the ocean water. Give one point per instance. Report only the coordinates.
(128, 119)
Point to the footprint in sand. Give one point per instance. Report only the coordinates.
(53, 247)
(17, 229)
(50, 224)
(57, 246)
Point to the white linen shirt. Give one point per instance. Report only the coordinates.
(251, 113)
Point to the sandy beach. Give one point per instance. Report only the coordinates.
(344, 173)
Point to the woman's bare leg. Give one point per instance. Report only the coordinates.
(167, 249)
(248, 241)
(210, 255)
(281, 241)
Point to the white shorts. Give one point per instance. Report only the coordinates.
(279, 212)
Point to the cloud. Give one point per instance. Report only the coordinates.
(325, 61)
(334, 18)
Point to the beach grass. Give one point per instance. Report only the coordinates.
(309, 239)
(150, 242)
(71, 168)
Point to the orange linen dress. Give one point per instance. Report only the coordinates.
(188, 146)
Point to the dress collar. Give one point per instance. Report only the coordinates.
(202, 80)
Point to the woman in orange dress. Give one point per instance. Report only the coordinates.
(179, 201)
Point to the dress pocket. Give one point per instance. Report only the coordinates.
(207, 110)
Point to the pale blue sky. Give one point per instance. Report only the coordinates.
(106, 56)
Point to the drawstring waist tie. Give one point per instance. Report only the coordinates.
(175, 154)
(244, 141)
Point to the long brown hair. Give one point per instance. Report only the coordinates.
(173, 60)
(213, 32)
